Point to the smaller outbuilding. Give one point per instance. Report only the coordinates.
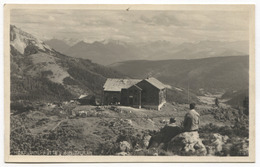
(87, 100)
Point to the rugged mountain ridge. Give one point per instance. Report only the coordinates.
(102, 53)
(39, 72)
(111, 51)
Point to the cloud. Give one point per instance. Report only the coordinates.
(133, 26)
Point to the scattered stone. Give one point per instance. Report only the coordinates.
(139, 151)
(124, 146)
(121, 153)
(164, 121)
(146, 140)
(216, 143)
(187, 143)
(129, 121)
(240, 148)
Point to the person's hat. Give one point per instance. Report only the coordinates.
(172, 120)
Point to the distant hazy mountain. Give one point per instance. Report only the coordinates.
(58, 45)
(103, 52)
(210, 74)
(108, 52)
(204, 49)
(38, 72)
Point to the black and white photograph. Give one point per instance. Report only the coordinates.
(130, 81)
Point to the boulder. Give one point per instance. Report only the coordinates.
(121, 153)
(187, 143)
(124, 146)
(146, 140)
(219, 141)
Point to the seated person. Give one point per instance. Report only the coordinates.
(165, 134)
(192, 120)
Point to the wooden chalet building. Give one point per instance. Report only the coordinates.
(147, 93)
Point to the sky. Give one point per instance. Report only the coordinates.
(133, 25)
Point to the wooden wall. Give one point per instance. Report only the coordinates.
(150, 94)
(110, 97)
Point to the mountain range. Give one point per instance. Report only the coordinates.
(200, 75)
(39, 72)
(111, 51)
(58, 45)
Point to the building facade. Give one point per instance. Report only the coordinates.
(147, 93)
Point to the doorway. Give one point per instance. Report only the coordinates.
(131, 101)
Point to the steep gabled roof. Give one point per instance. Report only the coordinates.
(136, 87)
(155, 83)
(115, 84)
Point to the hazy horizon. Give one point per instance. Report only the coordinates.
(133, 26)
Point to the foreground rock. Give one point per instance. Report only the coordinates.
(187, 143)
(121, 154)
(146, 140)
(125, 146)
(216, 144)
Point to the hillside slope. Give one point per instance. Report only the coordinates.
(38, 72)
(210, 74)
(236, 98)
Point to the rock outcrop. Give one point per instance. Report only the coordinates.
(187, 143)
(125, 146)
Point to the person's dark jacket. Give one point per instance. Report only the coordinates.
(165, 135)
